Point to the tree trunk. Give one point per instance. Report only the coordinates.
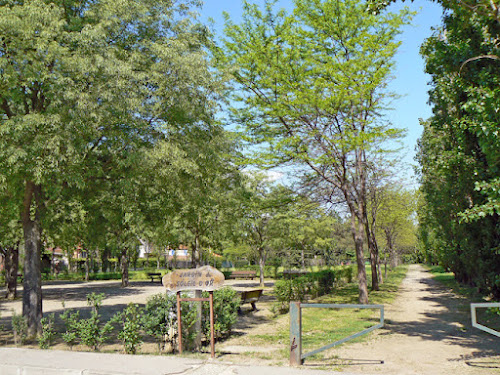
(357, 230)
(124, 268)
(393, 259)
(372, 246)
(32, 293)
(11, 268)
(87, 265)
(197, 294)
(262, 263)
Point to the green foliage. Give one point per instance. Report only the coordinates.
(20, 328)
(159, 319)
(226, 304)
(459, 150)
(71, 321)
(92, 332)
(309, 90)
(48, 332)
(289, 290)
(130, 324)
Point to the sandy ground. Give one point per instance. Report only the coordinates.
(428, 329)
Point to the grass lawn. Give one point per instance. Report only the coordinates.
(323, 326)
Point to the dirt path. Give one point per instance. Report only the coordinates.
(428, 331)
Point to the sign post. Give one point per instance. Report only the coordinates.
(204, 278)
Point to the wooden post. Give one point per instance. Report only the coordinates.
(212, 330)
(295, 334)
(179, 323)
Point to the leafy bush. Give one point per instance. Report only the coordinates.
(348, 274)
(287, 291)
(325, 281)
(71, 321)
(130, 322)
(159, 319)
(91, 331)
(226, 303)
(48, 333)
(20, 328)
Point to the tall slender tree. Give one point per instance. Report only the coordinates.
(310, 88)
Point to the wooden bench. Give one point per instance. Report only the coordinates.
(243, 275)
(251, 297)
(155, 275)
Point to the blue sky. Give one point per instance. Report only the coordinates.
(410, 80)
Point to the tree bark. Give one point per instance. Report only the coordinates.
(11, 254)
(124, 268)
(196, 262)
(32, 293)
(87, 265)
(357, 230)
(372, 246)
(262, 263)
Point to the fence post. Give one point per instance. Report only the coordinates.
(295, 334)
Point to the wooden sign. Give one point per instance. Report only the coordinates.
(204, 278)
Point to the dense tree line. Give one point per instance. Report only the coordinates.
(459, 151)
(109, 137)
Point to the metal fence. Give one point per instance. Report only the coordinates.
(473, 307)
(296, 355)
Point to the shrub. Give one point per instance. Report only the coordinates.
(20, 328)
(130, 321)
(325, 280)
(287, 291)
(71, 321)
(159, 319)
(91, 331)
(226, 303)
(48, 333)
(348, 274)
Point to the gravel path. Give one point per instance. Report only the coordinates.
(428, 331)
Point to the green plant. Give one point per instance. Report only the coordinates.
(91, 331)
(159, 319)
(130, 322)
(48, 333)
(226, 303)
(20, 328)
(71, 321)
(289, 290)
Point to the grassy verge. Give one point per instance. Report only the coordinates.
(323, 326)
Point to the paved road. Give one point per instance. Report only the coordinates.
(14, 361)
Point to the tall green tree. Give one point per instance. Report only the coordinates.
(310, 87)
(459, 151)
(80, 77)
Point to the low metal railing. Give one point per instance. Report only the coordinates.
(296, 355)
(473, 307)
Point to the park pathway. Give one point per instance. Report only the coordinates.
(428, 331)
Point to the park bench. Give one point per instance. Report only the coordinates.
(251, 297)
(243, 275)
(154, 275)
(290, 274)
